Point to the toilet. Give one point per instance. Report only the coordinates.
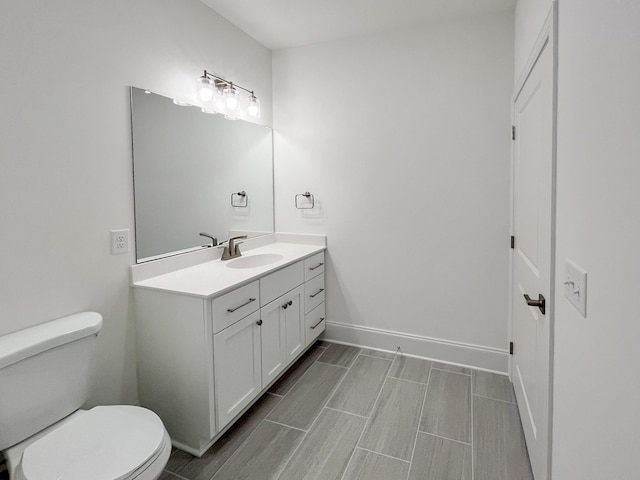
(45, 377)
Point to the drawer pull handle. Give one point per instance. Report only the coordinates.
(288, 304)
(259, 322)
(317, 266)
(314, 326)
(317, 293)
(231, 310)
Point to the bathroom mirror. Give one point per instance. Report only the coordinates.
(196, 172)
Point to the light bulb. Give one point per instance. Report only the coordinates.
(231, 98)
(205, 89)
(254, 106)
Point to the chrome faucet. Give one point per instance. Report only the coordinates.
(214, 240)
(232, 250)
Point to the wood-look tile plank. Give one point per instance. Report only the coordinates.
(393, 423)
(205, 467)
(358, 391)
(325, 452)
(441, 459)
(263, 455)
(451, 368)
(499, 447)
(370, 466)
(447, 407)
(377, 353)
(177, 460)
(164, 476)
(492, 385)
(341, 355)
(322, 343)
(284, 383)
(410, 368)
(303, 403)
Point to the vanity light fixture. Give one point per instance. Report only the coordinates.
(254, 106)
(205, 88)
(212, 87)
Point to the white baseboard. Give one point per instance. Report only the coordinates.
(473, 356)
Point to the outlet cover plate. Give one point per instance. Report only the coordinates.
(575, 286)
(119, 241)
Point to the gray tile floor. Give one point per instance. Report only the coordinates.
(346, 413)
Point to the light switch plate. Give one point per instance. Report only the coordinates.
(575, 286)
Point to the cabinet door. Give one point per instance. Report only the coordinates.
(237, 361)
(272, 332)
(294, 322)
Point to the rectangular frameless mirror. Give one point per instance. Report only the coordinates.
(196, 172)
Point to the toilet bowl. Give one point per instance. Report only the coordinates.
(44, 435)
(105, 443)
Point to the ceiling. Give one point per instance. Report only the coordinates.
(291, 23)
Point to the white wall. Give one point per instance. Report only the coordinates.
(596, 431)
(404, 139)
(529, 18)
(65, 149)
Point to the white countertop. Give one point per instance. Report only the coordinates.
(214, 278)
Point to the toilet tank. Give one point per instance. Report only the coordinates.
(45, 374)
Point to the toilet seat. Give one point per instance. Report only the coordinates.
(105, 443)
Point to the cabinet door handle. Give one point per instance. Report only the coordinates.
(231, 310)
(317, 266)
(288, 304)
(259, 322)
(314, 326)
(317, 293)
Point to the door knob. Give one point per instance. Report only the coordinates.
(540, 303)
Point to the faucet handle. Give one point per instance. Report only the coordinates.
(214, 240)
(232, 245)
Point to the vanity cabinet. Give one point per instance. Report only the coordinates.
(203, 361)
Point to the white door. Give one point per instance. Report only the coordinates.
(532, 256)
(236, 359)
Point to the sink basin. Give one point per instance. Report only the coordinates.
(254, 261)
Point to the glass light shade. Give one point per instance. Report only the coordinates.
(254, 107)
(180, 103)
(231, 98)
(208, 110)
(205, 89)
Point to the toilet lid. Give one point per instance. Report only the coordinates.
(106, 443)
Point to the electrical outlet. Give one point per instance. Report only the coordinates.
(119, 241)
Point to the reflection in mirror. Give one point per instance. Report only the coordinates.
(196, 172)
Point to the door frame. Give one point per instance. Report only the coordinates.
(548, 36)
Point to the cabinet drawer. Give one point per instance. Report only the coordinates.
(233, 306)
(314, 266)
(315, 323)
(313, 293)
(278, 283)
